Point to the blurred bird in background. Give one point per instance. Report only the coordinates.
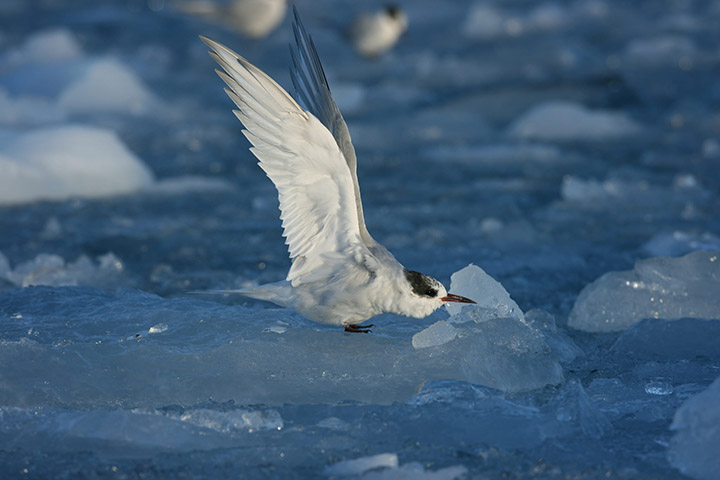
(373, 34)
(252, 18)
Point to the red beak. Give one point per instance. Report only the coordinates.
(456, 298)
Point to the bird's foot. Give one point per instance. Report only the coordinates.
(351, 327)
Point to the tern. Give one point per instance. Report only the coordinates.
(252, 18)
(339, 274)
(372, 34)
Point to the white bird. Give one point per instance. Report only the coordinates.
(372, 34)
(252, 18)
(339, 274)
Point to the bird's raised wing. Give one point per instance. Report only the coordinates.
(313, 91)
(315, 187)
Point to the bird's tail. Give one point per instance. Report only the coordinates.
(276, 293)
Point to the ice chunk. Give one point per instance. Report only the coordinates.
(679, 243)
(629, 194)
(436, 334)
(566, 121)
(667, 49)
(108, 86)
(499, 347)
(361, 465)
(562, 345)
(55, 45)
(658, 387)
(502, 353)
(159, 328)
(472, 282)
(484, 415)
(51, 269)
(70, 160)
(694, 447)
(656, 288)
(575, 189)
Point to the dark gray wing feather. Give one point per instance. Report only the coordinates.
(313, 93)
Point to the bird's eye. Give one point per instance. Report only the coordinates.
(431, 292)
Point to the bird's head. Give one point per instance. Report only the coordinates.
(427, 295)
(397, 15)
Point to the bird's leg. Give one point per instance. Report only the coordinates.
(352, 327)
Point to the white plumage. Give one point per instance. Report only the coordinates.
(339, 275)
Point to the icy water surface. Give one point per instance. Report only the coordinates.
(569, 149)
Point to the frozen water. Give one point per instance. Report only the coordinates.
(129, 376)
(567, 121)
(694, 446)
(656, 288)
(55, 163)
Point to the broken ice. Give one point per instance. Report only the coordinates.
(656, 288)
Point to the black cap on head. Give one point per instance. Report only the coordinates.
(393, 10)
(421, 284)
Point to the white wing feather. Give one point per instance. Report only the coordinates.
(313, 92)
(315, 187)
